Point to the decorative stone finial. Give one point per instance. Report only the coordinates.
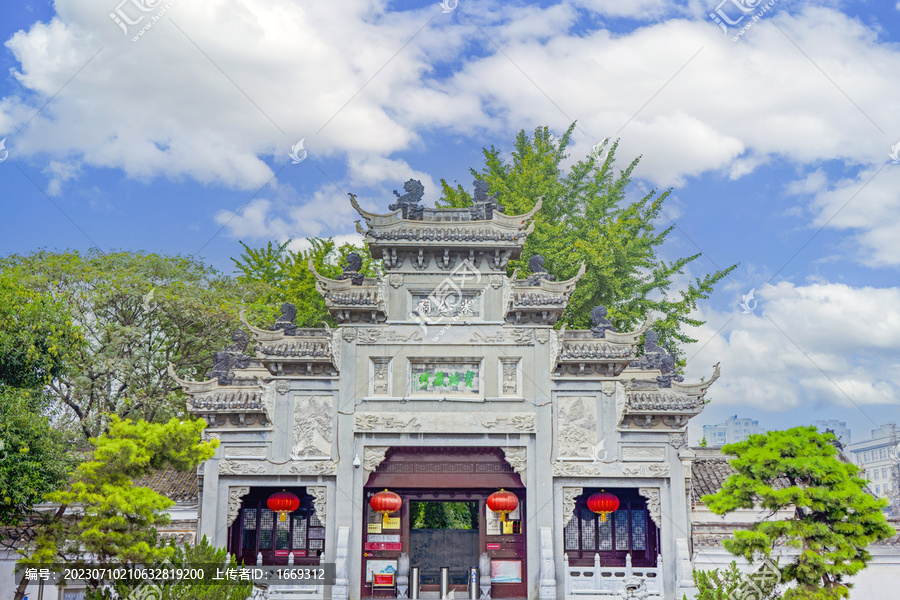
(485, 204)
(286, 320)
(600, 322)
(232, 357)
(352, 268)
(538, 272)
(409, 202)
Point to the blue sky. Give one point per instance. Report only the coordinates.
(776, 144)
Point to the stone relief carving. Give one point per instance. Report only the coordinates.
(233, 467)
(577, 426)
(521, 335)
(349, 333)
(517, 457)
(651, 469)
(235, 494)
(380, 376)
(211, 435)
(479, 337)
(617, 469)
(678, 440)
(609, 387)
(643, 453)
(268, 395)
(373, 456)
(313, 424)
(520, 422)
(313, 467)
(319, 503)
(510, 379)
(242, 451)
(282, 386)
(542, 335)
(555, 345)
(441, 422)
(368, 422)
(570, 494)
(336, 346)
(367, 335)
(395, 279)
(653, 504)
(496, 281)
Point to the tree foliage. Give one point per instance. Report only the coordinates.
(200, 556)
(588, 216)
(731, 583)
(37, 337)
(835, 519)
(109, 517)
(284, 276)
(137, 312)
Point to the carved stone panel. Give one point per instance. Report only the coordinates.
(318, 492)
(643, 453)
(570, 494)
(653, 504)
(509, 377)
(577, 426)
(616, 469)
(234, 467)
(380, 375)
(253, 452)
(312, 467)
(444, 422)
(313, 426)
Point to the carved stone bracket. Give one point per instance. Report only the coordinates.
(373, 456)
(396, 280)
(319, 503)
(568, 508)
(282, 386)
(653, 504)
(517, 457)
(235, 494)
(312, 467)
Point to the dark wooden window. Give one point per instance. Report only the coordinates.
(259, 530)
(629, 530)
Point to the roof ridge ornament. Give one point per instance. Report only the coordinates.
(261, 335)
(193, 387)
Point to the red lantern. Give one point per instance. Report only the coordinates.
(502, 502)
(603, 503)
(385, 502)
(283, 503)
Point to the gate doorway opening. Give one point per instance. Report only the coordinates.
(443, 534)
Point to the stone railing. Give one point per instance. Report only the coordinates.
(613, 583)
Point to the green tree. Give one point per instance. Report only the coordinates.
(283, 276)
(37, 337)
(586, 217)
(200, 556)
(137, 312)
(703, 442)
(731, 583)
(835, 519)
(111, 519)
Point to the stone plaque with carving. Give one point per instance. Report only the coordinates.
(577, 429)
(313, 425)
(643, 453)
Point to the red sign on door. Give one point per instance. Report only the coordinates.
(384, 546)
(382, 578)
(493, 546)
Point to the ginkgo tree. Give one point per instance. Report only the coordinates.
(586, 217)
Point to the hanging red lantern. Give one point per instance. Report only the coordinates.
(283, 503)
(385, 503)
(502, 502)
(603, 503)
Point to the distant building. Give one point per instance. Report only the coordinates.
(839, 428)
(733, 430)
(876, 457)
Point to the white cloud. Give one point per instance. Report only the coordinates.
(810, 345)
